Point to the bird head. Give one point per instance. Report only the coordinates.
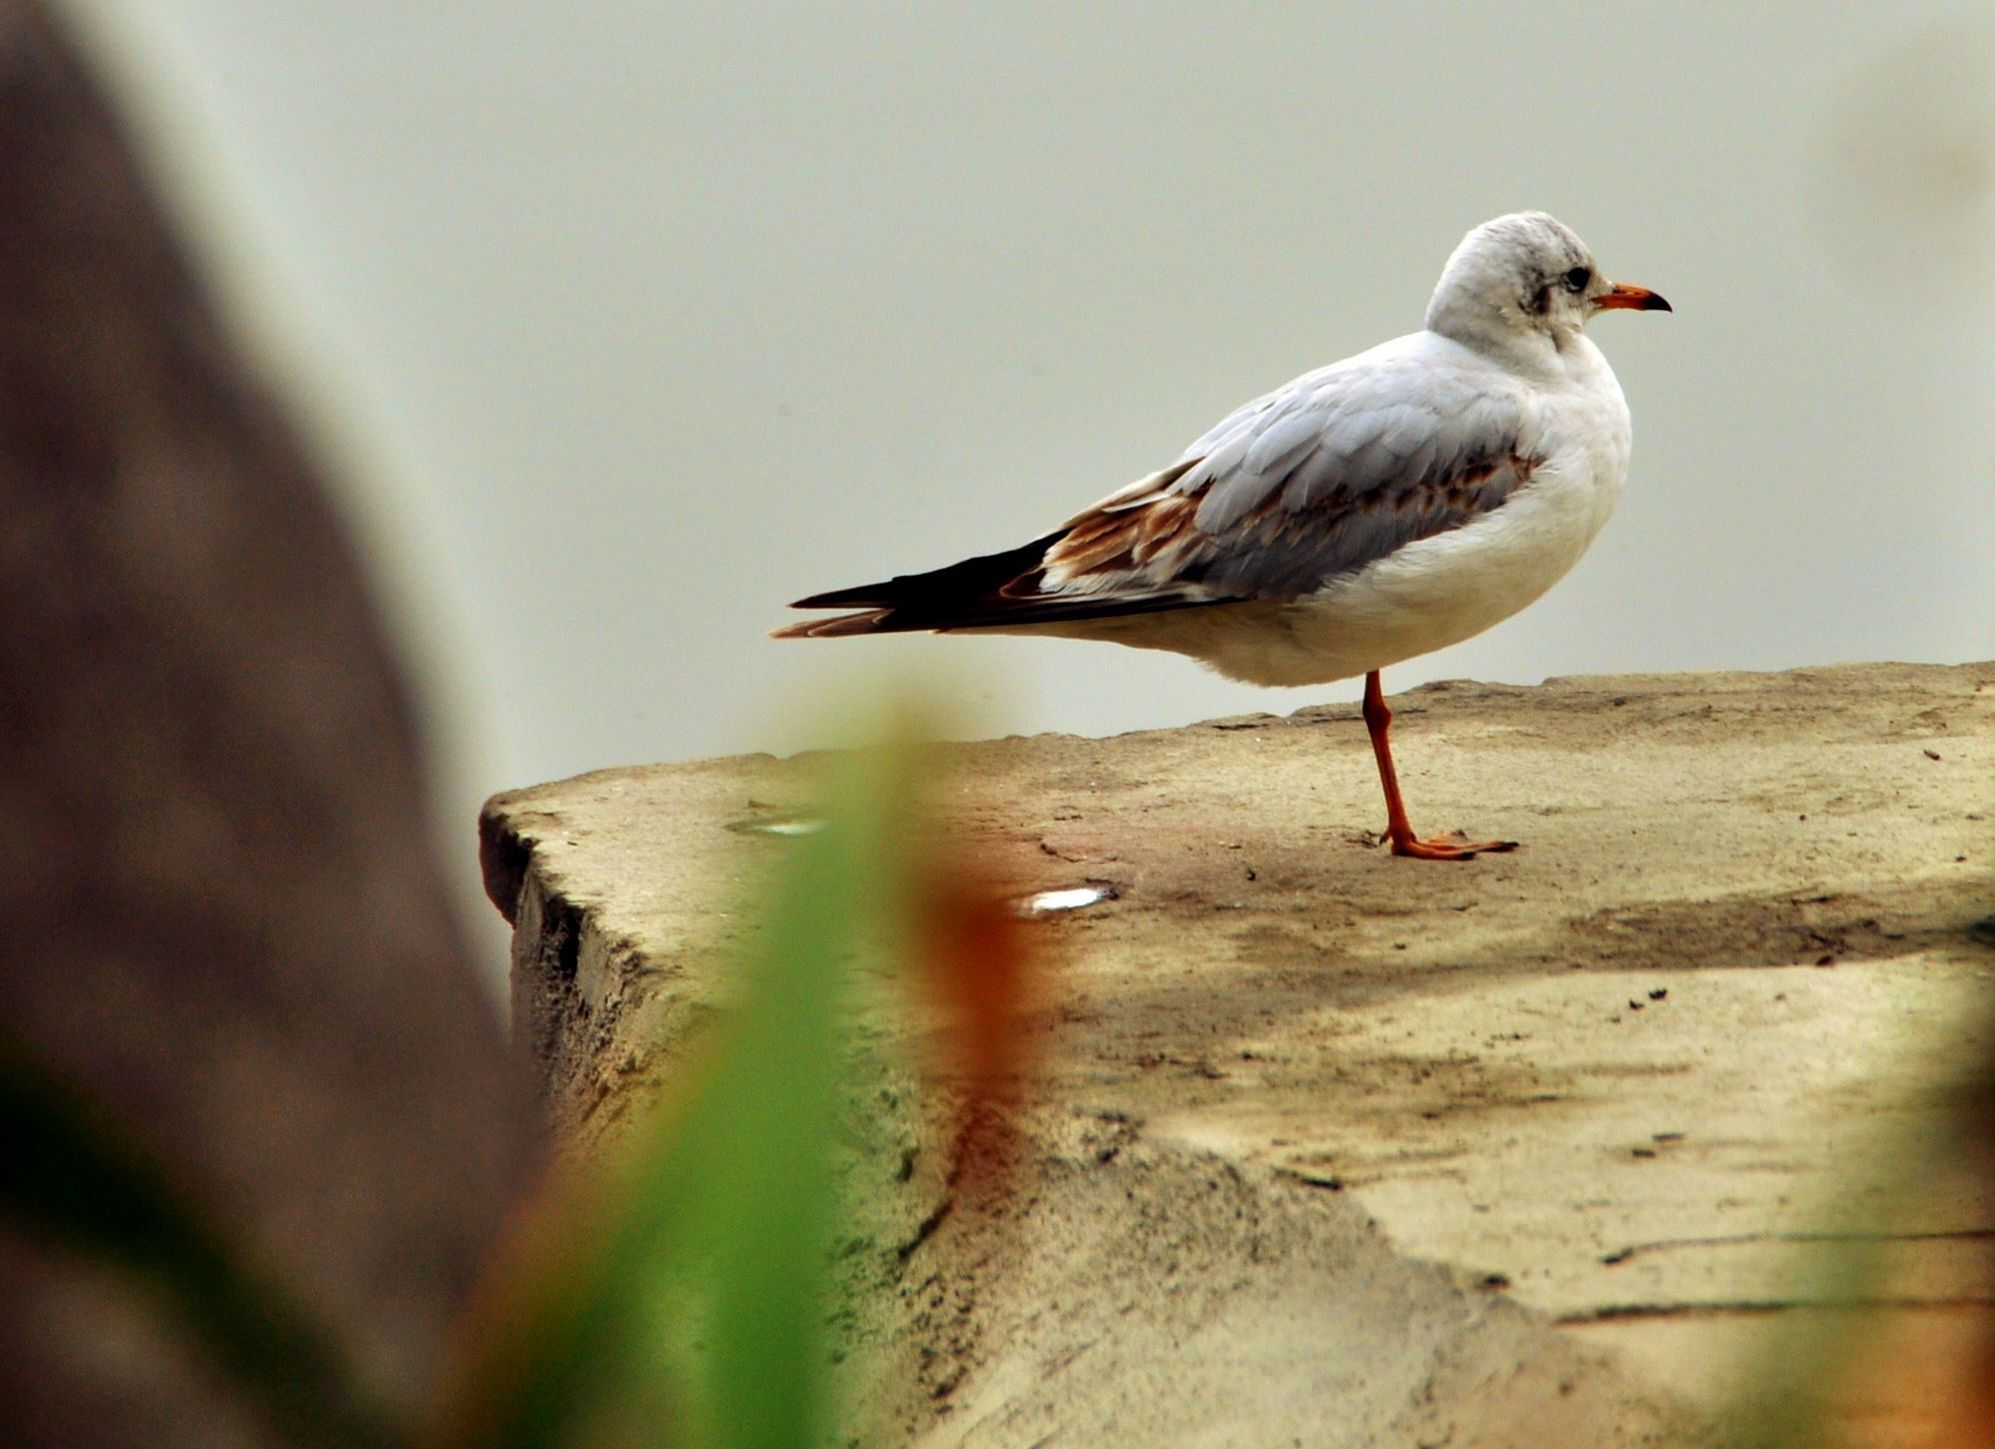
(1525, 276)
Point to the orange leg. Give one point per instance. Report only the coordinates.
(1378, 720)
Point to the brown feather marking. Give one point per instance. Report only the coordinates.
(1162, 532)
(1124, 540)
(1091, 535)
(1164, 525)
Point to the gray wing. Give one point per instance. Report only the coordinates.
(1336, 470)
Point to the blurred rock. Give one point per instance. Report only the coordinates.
(224, 922)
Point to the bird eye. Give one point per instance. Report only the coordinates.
(1577, 278)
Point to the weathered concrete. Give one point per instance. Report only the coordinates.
(1341, 1149)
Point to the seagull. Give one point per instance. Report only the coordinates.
(1380, 508)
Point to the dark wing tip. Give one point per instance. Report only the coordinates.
(933, 600)
(862, 597)
(994, 591)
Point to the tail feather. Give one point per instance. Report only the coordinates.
(939, 599)
(973, 578)
(840, 627)
(995, 591)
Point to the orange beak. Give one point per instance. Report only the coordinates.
(1639, 299)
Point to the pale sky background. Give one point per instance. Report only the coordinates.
(626, 323)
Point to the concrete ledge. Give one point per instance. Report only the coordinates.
(1345, 1149)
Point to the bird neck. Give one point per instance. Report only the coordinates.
(1498, 335)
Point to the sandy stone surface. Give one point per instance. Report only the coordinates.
(1330, 1148)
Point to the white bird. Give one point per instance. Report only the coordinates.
(1376, 509)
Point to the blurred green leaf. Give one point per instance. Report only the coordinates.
(720, 1211)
